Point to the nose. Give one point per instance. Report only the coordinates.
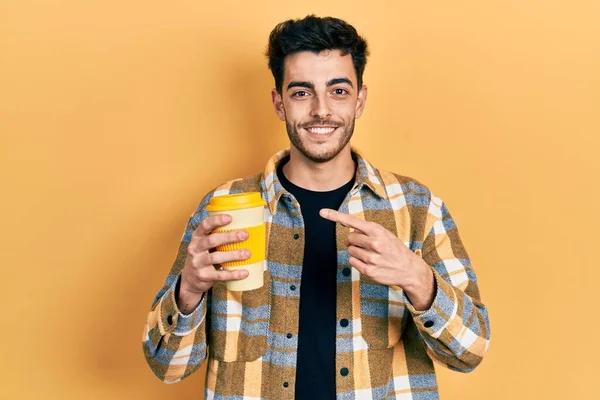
(320, 108)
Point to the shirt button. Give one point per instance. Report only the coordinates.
(346, 271)
(296, 236)
(428, 324)
(344, 371)
(344, 323)
(170, 319)
(285, 384)
(289, 335)
(293, 287)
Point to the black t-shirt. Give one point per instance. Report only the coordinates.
(315, 369)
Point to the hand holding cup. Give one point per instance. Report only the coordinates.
(203, 264)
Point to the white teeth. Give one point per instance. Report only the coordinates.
(321, 131)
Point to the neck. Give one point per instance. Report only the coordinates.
(320, 176)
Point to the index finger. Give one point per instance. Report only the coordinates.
(212, 222)
(346, 220)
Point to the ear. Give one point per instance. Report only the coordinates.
(278, 104)
(361, 101)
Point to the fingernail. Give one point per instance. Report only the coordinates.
(245, 253)
(226, 218)
(243, 235)
(323, 212)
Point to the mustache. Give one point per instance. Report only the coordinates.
(322, 122)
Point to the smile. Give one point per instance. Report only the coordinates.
(321, 130)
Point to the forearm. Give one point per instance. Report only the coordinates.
(174, 343)
(455, 327)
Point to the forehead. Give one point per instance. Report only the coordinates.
(318, 68)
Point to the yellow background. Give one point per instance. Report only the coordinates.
(117, 116)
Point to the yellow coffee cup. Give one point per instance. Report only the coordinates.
(247, 213)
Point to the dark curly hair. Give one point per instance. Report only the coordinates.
(315, 34)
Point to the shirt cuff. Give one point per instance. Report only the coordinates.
(443, 309)
(171, 320)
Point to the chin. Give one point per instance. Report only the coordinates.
(322, 156)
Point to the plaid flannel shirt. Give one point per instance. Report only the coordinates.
(387, 348)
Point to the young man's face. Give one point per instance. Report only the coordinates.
(319, 102)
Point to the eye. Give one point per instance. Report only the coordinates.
(300, 93)
(340, 92)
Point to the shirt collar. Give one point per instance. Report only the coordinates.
(366, 175)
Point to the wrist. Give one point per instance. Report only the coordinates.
(421, 288)
(187, 300)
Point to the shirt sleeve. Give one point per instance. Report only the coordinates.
(456, 327)
(175, 344)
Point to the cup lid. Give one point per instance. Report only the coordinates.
(236, 201)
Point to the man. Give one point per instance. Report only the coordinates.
(367, 280)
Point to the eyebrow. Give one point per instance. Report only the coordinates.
(311, 85)
(303, 84)
(337, 81)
